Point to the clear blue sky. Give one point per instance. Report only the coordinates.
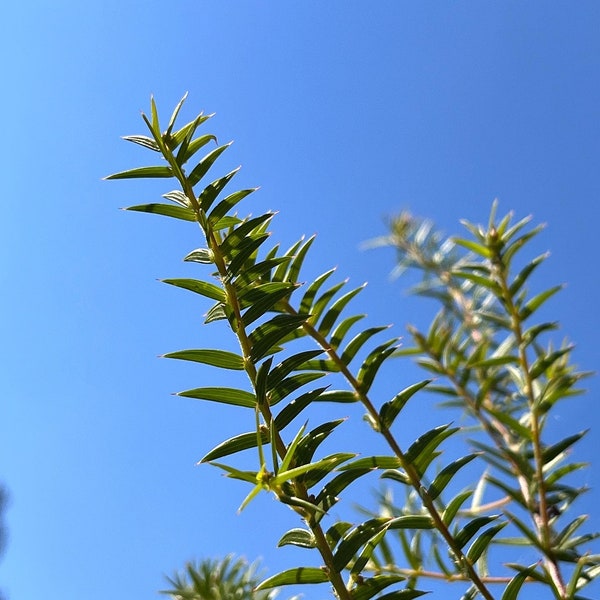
(344, 113)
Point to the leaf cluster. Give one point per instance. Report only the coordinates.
(292, 335)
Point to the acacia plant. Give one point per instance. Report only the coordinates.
(484, 355)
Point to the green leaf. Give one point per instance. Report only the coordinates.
(291, 384)
(166, 210)
(411, 522)
(209, 290)
(264, 298)
(343, 396)
(212, 190)
(142, 140)
(294, 576)
(373, 462)
(474, 247)
(371, 364)
(447, 473)
(537, 301)
(514, 587)
(200, 255)
(331, 316)
(358, 341)
(205, 164)
(553, 451)
(454, 506)
(367, 588)
(293, 272)
(328, 495)
(296, 406)
(298, 537)
(545, 361)
(190, 146)
(244, 251)
(481, 544)
(311, 291)
(407, 594)
(471, 528)
(215, 358)
(342, 329)
(421, 451)
(269, 334)
(284, 368)
(223, 395)
(235, 444)
(356, 538)
(225, 205)
(144, 173)
(390, 410)
(524, 274)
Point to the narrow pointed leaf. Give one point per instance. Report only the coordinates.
(372, 586)
(143, 173)
(294, 576)
(223, 395)
(514, 587)
(204, 288)
(166, 210)
(447, 473)
(298, 537)
(267, 335)
(215, 358)
(390, 410)
(235, 444)
(481, 544)
(205, 164)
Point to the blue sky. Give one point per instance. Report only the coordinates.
(344, 113)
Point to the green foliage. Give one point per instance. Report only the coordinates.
(487, 362)
(227, 579)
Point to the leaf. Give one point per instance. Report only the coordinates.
(553, 451)
(284, 368)
(298, 537)
(311, 291)
(296, 406)
(205, 164)
(344, 396)
(481, 544)
(209, 290)
(327, 497)
(471, 528)
(166, 210)
(357, 537)
(242, 231)
(371, 364)
(454, 505)
(212, 190)
(267, 335)
(358, 341)
(244, 251)
(294, 576)
(513, 588)
(390, 410)
(411, 522)
(264, 298)
(373, 462)
(524, 274)
(223, 395)
(367, 588)
(200, 255)
(225, 205)
(142, 140)
(342, 329)
(447, 473)
(335, 310)
(215, 358)
(537, 301)
(235, 444)
(143, 172)
(421, 451)
(474, 247)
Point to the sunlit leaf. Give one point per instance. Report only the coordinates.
(166, 210)
(294, 576)
(223, 395)
(216, 358)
